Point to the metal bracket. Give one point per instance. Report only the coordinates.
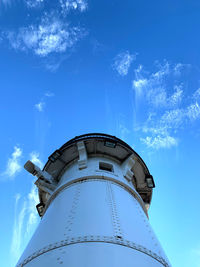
(82, 162)
(45, 186)
(127, 166)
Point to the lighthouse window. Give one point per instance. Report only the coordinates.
(106, 166)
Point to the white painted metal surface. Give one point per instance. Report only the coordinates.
(94, 217)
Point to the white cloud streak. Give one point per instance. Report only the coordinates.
(175, 118)
(179, 68)
(122, 62)
(172, 118)
(153, 86)
(68, 5)
(161, 94)
(163, 70)
(139, 85)
(34, 157)
(25, 221)
(49, 94)
(13, 164)
(50, 36)
(40, 106)
(33, 3)
(193, 111)
(196, 95)
(176, 97)
(170, 122)
(32, 201)
(159, 142)
(62, 6)
(17, 229)
(26, 217)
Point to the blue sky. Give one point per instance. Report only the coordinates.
(127, 68)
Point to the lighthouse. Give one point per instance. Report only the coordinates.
(94, 193)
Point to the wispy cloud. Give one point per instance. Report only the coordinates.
(62, 6)
(25, 221)
(68, 5)
(25, 217)
(34, 157)
(172, 118)
(179, 67)
(42, 103)
(196, 94)
(32, 215)
(32, 198)
(169, 123)
(163, 70)
(40, 106)
(159, 141)
(53, 62)
(161, 96)
(177, 96)
(13, 163)
(33, 3)
(193, 111)
(139, 85)
(122, 62)
(17, 229)
(49, 94)
(28, 3)
(175, 118)
(153, 85)
(52, 35)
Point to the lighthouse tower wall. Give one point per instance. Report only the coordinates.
(94, 217)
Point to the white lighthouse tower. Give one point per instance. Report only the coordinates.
(94, 194)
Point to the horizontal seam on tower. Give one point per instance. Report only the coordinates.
(97, 178)
(98, 239)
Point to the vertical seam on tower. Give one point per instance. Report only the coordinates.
(154, 241)
(72, 213)
(113, 209)
(70, 220)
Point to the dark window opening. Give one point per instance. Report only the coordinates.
(106, 166)
(110, 144)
